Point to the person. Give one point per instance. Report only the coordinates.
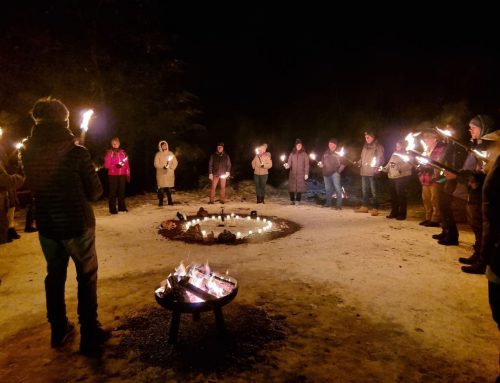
(63, 181)
(298, 163)
(490, 246)
(165, 164)
(431, 180)
(470, 179)
(372, 156)
(219, 169)
(399, 173)
(261, 164)
(8, 182)
(332, 165)
(117, 163)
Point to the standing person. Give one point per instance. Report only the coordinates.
(430, 179)
(219, 169)
(117, 163)
(165, 164)
(399, 173)
(261, 164)
(332, 165)
(298, 163)
(7, 182)
(490, 247)
(372, 156)
(471, 178)
(63, 181)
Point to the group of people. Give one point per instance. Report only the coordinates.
(66, 221)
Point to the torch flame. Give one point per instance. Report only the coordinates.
(481, 153)
(410, 139)
(425, 147)
(85, 121)
(312, 156)
(257, 151)
(445, 132)
(282, 158)
(373, 164)
(1, 132)
(341, 152)
(404, 157)
(422, 160)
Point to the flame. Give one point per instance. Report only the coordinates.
(341, 152)
(312, 156)
(1, 132)
(85, 121)
(422, 160)
(170, 158)
(19, 145)
(425, 147)
(257, 151)
(373, 164)
(481, 153)
(404, 157)
(445, 132)
(410, 138)
(282, 158)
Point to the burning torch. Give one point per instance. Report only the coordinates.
(260, 159)
(447, 135)
(84, 126)
(285, 164)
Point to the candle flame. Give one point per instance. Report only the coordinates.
(85, 121)
(312, 156)
(341, 152)
(282, 158)
(373, 164)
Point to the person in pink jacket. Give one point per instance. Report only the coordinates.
(116, 161)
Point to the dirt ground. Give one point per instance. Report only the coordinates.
(347, 298)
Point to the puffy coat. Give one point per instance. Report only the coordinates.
(165, 178)
(265, 160)
(397, 167)
(63, 181)
(299, 168)
(115, 157)
(370, 151)
(332, 163)
(219, 164)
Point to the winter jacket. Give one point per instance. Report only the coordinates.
(397, 167)
(299, 168)
(63, 181)
(262, 164)
(332, 163)
(112, 162)
(370, 151)
(165, 178)
(219, 164)
(490, 248)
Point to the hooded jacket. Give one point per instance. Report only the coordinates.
(62, 179)
(165, 163)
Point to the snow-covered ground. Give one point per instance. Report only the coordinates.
(356, 298)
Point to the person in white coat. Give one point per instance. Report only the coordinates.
(165, 164)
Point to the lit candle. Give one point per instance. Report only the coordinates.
(282, 158)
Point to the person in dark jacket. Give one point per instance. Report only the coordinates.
(332, 165)
(219, 169)
(490, 246)
(63, 181)
(298, 163)
(7, 182)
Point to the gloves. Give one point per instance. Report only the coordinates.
(165, 166)
(306, 177)
(320, 164)
(210, 177)
(286, 165)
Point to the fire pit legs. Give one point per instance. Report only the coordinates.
(219, 320)
(174, 326)
(176, 319)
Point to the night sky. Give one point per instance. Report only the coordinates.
(267, 75)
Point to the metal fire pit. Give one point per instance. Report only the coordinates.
(179, 299)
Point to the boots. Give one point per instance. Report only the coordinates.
(449, 240)
(441, 235)
(12, 233)
(262, 200)
(61, 334)
(474, 258)
(92, 338)
(259, 199)
(476, 268)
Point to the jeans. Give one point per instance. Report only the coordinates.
(117, 188)
(161, 194)
(260, 185)
(369, 183)
(332, 185)
(57, 253)
(494, 299)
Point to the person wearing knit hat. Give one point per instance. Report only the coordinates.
(332, 165)
(261, 164)
(298, 163)
(64, 182)
(372, 156)
(219, 168)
